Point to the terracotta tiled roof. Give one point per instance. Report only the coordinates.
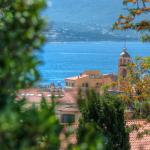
(34, 95)
(88, 72)
(77, 77)
(69, 97)
(143, 142)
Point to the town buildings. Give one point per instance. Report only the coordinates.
(91, 79)
(66, 98)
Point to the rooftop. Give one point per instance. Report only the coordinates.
(124, 53)
(34, 95)
(142, 143)
(77, 77)
(92, 72)
(137, 142)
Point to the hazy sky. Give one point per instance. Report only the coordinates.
(84, 11)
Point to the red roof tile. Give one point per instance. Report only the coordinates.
(69, 97)
(77, 77)
(139, 143)
(142, 143)
(34, 95)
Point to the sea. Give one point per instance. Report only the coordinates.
(65, 59)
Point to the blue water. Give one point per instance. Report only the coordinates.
(61, 60)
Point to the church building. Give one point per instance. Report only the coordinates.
(124, 60)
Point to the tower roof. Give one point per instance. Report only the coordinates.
(124, 53)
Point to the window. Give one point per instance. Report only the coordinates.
(66, 83)
(86, 84)
(82, 84)
(97, 84)
(124, 73)
(124, 61)
(68, 118)
(121, 62)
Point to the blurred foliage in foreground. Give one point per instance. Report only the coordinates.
(23, 128)
(29, 128)
(34, 128)
(20, 37)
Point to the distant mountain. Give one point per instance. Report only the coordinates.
(62, 32)
(84, 20)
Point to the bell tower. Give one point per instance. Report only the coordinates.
(123, 62)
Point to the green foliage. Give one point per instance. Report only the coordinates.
(135, 8)
(20, 36)
(136, 87)
(107, 112)
(89, 137)
(29, 128)
(141, 110)
(22, 127)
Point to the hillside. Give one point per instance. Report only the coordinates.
(84, 20)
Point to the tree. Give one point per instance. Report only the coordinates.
(132, 20)
(107, 113)
(136, 9)
(29, 128)
(141, 110)
(22, 127)
(87, 132)
(21, 37)
(136, 87)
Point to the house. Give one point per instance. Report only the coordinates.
(90, 79)
(66, 109)
(137, 142)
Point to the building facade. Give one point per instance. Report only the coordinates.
(66, 98)
(124, 60)
(91, 79)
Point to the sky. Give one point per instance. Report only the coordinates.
(84, 11)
